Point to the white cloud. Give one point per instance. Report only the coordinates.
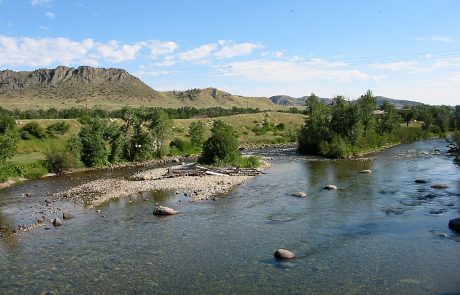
(230, 49)
(421, 66)
(434, 38)
(50, 14)
(115, 52)
(41, 2)
(158, 48)
(198, 53)
(292, 71)
(34, 52)
(395, 66)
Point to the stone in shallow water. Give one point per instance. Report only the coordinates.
(57, 222)
(284, 254)
(67, 215)
(439, 185)
(454, 224)
(330, 187)
(161, 210)
(300, 194)
(365, 171)
(421, 180)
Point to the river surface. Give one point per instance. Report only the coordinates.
(380, 233)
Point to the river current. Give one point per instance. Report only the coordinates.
(379, 233)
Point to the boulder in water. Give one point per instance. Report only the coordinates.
(330, 187)
(57, 222)
(300, 194)
(439, 185)
(421, 180)
(284, 254)
(365, 171)
(454, 224)
(161, 210)
(67, 215)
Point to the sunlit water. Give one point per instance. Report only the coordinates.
(378, 234)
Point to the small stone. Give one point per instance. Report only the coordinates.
(330, 187)
(284, 254)
(439, 185)
(300, 194)
(161, 210)
(365, 171)
(421, 180)
(57, 222)
(98, 211)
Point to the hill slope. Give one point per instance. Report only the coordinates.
(66, 87)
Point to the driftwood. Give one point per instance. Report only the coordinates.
(195, 170)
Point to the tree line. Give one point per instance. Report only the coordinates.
(346, 128)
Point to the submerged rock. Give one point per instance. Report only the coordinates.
(421, 180)
(439, 185)
(161, 210)
(57, 222)
(365, 171)
(284, 254)
(330, 187)
(300, 194)
(454, 224)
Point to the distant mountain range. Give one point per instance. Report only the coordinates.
(300, 101)
(65, 87)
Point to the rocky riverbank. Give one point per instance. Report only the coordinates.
(202, 187)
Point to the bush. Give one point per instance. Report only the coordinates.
(34, 129)
(8, 144)
(9, 170)
(196, 133)
(60, 161)
(33, 170)
(182, 147)
(250, 162)
(6, 122)
(222, 147)
(94, 149)
(57, 128)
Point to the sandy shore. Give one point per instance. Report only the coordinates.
(97, 192)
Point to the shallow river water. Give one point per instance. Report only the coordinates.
(380, 233)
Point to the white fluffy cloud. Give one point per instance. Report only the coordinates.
(36, 52)
(198, 53)
(230, 49)
(426, 65)
(435, 38)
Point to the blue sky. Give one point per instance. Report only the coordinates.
(400, 49)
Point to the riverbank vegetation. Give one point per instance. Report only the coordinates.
(348, 128)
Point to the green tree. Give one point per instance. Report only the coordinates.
(222, 147)
(457, 117)
(94, 148)
(159, 126)
(196, 133)
(8, 136)
(390, 119)
(367, 105)
(316, 127)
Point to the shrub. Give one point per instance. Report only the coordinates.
(94, 151)
(196, 133)
(250, 162)
(60, 161)
(34, 129)
(8, 144)
(222, 147)
(57, 128)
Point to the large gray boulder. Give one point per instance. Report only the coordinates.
(284, 254)
(439, 185)
(161, 210)
(300, 194)
(454, 224)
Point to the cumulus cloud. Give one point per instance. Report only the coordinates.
(420, 66)
(34, 52)
(50, 14)
(41, 2)
(230, 49)
(198, 53)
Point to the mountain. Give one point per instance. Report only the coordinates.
(65, 87)
(286, 100)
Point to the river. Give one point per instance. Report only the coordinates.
(380, 233)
